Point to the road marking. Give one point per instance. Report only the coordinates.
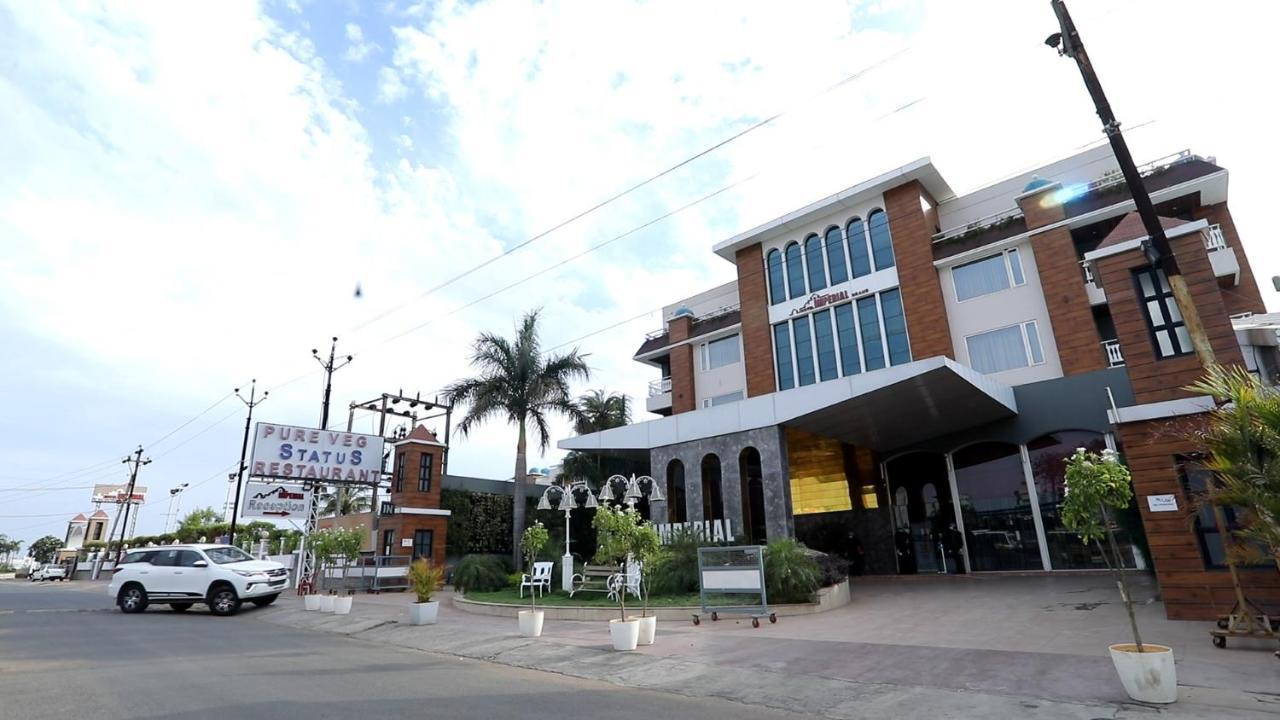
(54, 610)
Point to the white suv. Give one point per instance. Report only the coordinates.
(220, 576)
(48, 572)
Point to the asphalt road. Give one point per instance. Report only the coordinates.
(67, 653)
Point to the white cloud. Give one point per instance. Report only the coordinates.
(357, 49)
(390, 87)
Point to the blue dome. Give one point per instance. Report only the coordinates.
(682, 311)
(1036, 183)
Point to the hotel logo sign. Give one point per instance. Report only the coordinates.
(821, 300)
(280, 501)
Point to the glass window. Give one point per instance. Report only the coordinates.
(835, 256)
(881, 242)
(826, 342)
(988, 275)
(138, 556)
(187, 558)
(1015, 267)
(724, 399)
(712, 501)
(858, 256)
(795, 271)
(424, 472)
(869, 322)
(227, 555)
(400, 472)
(782, 353)
(1164, 322)
(675, 491)
(165, 558)
(813, 256)
(999, 523)
(388, 541)
(849, 361)
(1195, 484)
(722, 352)
(1005, 349)
(777, 287)
(895, 327)
(804, 350)
(422, 543)
(1033, 343)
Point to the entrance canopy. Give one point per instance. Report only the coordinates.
(880, 410)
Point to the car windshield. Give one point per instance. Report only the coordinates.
(227, 555)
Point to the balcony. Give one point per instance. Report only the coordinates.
(1091, 286)
(659, 399)
(1222, 257)
(1114, 357)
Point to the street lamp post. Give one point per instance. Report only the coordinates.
(567, 504)
(637, 488)
(175, 499)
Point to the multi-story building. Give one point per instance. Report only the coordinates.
(899, 373)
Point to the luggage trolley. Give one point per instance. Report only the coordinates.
(736, 570)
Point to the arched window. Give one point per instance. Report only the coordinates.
(753, 512)
(856, 234)
(998, 520)
(675, 492)
(813, 256)
(835, 256)
(777, 286)
(795, 271)
(881, 242)
(712, 500)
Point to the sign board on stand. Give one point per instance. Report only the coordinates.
(285, 452)
(117, 493)
(277, 501)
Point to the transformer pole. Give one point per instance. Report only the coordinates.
(306, 557)
(135, 462)
(251, 403)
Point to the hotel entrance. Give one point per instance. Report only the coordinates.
(925, 536)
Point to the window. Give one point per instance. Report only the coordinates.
(881, 242)
(165, 558)
(1012, 347)
(795, 271)
(724, 399)
(826, 342)
(400, 473)
(227, 555)
(850, 364)
(422, 544)
(870, 498)
(97, 531)
(869, 320)
(425, 468)
(187, 558)
(777, 288)
(138, 556)
(813, 256)
(388, 541)
(804, 350)
(858, 256)
(895, 327)
(1195, 484)
(782, 353)
(1168, 332)
(722, 352)
(835, 256)
(988, 275)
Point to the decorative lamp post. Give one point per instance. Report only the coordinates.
(568, 502)
(637, 488)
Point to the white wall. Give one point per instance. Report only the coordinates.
(722, 380)
(1002, 309)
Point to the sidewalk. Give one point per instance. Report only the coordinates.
(895, 652)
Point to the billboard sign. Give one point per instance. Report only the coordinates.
(118, 493)
(285, 452)
(278, 501)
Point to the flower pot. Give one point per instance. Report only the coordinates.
(624, 633)
(531, 623)
(424, 613)
(326, 602)
(648, 626)
(1148, 676)
(311, 602)
(342, 605)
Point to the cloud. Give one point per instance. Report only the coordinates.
(357, 49)
(390, 87)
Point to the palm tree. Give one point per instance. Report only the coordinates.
(521, 385)
(344, 502)
(598, 410)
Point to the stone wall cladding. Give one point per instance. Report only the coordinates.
(757, 344)
(1076, 334)
(926, 313)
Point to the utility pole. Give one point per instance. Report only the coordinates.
(1156, 248)
(251, 403)
(135, 462)
(306, 558)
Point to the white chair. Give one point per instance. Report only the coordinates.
(539, 581)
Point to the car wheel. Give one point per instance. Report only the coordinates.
(223, 601)
(179, 607)
(265, 601)
(132, 598)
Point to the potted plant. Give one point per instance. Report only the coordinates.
(311, 600)
(532, 542)
(424, 579)
(645, 550)
(1096, 484)
(345, 544)
(615, 535)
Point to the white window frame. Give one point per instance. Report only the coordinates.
(708, 402)
(1008, 273)
(704, 350)
(1026, 345)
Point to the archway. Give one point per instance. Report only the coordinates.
(676, 511)
(753, 512)
(712, 500)
(925, 537)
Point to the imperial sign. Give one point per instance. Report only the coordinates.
(296, 453)
(262, 500)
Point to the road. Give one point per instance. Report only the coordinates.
(66, 652)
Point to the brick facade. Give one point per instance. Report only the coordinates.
(683, 397)
(757, 344)
(1074, 331)
(922, 303)
(407, 461)
(1244, 297)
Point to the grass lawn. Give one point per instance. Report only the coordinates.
(593, 599)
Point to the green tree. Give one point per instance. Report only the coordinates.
(8, 547)
(535, 538)
(520, 384)
(44, 549)
(594, 411)
(341, 501)
(195, 523)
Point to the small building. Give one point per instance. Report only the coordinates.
(82, 529)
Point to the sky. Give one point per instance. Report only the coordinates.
(190, 193)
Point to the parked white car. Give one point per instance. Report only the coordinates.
(48, 572)
(221, 576)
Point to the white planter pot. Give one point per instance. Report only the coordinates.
(326, 602)
(648, 626)
(424, 613)
(342, 604)
(531, 623)
(311, 602)
(624, 633)
(1147, 676)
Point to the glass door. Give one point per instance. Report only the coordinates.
(999, 522)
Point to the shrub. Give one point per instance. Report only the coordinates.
(424, 579)
(513, 579)
(675, 568)
(791, 573)
(479, 573)
(832, 569)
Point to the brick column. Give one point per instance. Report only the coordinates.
(753, 298)
(683, 396)
(913, 254)
(1245, 297)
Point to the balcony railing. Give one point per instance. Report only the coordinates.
(1114, 356)
(658, 387)
(1214, 239)
(1088, 273)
